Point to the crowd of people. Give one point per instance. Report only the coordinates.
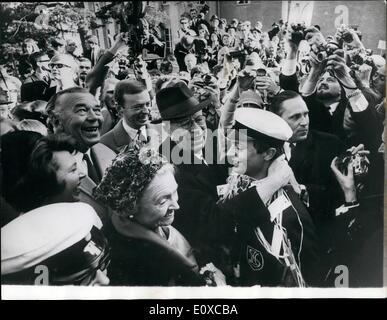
(244, 157)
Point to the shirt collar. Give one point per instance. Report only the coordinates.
(133, 132)
(333, 107)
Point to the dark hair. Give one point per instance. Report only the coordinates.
(35, 56)
(51, 104)
(127, 86)
(275, 105)
(16, 149)
(30, 110)
(261, 145)
(40, 183)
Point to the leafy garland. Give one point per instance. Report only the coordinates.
(20, 21)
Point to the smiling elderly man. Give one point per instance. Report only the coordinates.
(77, 113)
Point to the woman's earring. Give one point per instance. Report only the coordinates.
(131, 216)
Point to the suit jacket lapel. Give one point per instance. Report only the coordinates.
(121, 138)
(102, 157)
(301, 153)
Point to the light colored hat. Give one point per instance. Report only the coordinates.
(44, 232)
(261, 123)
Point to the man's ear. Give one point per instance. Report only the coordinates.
(269, 154)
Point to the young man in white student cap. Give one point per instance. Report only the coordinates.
(278, 249)
(57, 244)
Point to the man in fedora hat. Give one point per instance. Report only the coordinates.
(206, 223)
(185, 124)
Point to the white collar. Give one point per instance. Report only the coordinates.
(333, 107)
(133, 132)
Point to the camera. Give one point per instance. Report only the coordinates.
(342, 35)
(261, 72)
(359, 162)
(328, 50)
(297, 32)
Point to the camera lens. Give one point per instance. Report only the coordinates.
(347, 37)
(321, 56)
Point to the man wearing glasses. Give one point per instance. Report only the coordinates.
(184, 29)
(62, 72)
(189, 149)
(38, 85)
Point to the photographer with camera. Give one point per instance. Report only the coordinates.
(357, 231)
(369, 75)
(329, 91)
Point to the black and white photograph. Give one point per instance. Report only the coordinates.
(192, 149)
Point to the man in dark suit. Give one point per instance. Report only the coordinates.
(189, 149)
(310, 154)
(38, 85)
(133, 103)
(208, 225)
(356, 233)
(77, 113)
(262, 250)
(84, 67)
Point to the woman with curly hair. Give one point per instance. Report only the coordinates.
(141, 189)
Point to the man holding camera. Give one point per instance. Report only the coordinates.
(329, 90)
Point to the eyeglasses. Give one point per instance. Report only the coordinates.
(189, 122)
(58, 65)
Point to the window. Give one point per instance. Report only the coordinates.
(243, 2)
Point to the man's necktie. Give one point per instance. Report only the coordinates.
(91, 172)
(140, 137)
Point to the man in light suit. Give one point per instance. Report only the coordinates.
(77, 113)
(134, 104)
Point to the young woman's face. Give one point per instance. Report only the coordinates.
(69, 174)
